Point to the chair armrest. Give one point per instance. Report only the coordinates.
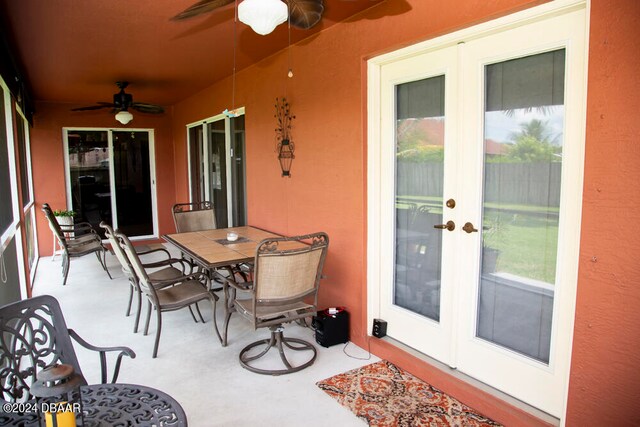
(166, 262)
(124, 351)
(83, 240)
(153, 251)
(244, 286)
(193, 276)
(80, 226)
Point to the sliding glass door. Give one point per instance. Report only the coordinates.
(217, 167)
(110, 177)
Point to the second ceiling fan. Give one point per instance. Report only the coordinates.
(302, 14)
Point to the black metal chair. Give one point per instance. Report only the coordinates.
(33, 336)
(286, 277)
(169, 294)
(76, 241)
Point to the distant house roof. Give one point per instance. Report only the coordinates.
(431, 131)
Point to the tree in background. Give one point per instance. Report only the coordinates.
(533, 143)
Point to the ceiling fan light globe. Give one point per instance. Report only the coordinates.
(263, 16)
(124, 117)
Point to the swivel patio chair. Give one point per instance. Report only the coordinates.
(76, 241)
(165, 269)
(285, 289)
(168, 294)
(33, 336)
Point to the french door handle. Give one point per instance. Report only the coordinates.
(469, 228)
(450, 225)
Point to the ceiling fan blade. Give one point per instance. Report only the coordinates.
(147, 108)
(304, 14)
(203, 6)
(95, 107)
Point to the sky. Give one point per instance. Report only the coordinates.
(498, 125)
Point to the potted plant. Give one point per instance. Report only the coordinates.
(64, 217)
(491, 238)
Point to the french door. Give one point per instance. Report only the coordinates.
(217, 167)
(475, 191)
(111, 178)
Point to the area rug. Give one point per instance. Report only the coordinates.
(384, 395)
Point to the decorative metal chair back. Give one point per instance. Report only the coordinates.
(134, 261)
(54, 225)
(287, 273)
(194, 216)
(33, 335)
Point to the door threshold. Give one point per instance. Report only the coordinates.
(453, 372)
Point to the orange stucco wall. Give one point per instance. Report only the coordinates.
(605, 374)
(328, 187)
(48, 159)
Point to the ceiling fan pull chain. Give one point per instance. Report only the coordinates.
(290, 72)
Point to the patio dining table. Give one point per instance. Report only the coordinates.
(212, 251)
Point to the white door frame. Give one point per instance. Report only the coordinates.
(205, 158)
(152, 172)
(378, 232)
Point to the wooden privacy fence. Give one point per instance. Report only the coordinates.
(536, 184)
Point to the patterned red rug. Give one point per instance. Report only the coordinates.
(384, 395)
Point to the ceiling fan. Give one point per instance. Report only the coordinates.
(303, 14)
(122, 102)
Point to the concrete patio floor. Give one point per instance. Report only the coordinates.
(192, 366)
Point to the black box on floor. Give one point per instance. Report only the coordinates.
(332, 327)
(379, 328)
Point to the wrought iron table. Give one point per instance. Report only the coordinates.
(107, 405)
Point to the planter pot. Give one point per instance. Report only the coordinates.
(489, 259)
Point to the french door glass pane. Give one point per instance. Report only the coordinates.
(418, 195)
(523, 122)
(196, 154)
(218, 171)
(132, 174)
(89, 175)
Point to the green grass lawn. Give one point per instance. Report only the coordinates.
(528, 244)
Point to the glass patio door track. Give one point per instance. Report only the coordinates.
(480, 144)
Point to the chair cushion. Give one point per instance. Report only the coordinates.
(85, 248)
(185, 293)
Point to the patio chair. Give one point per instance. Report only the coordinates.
(165, 270)
(168, 294)
(76, 240)
(33, 336)
(285, 288)
(194, 216)
(200, 216)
